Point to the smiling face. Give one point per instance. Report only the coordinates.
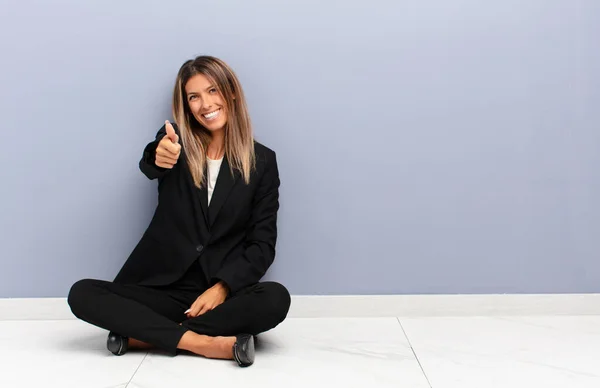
(205, 103)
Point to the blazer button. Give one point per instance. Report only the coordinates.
(199, 248)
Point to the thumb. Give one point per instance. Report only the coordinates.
(171, 132)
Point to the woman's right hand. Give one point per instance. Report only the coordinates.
(168, 150)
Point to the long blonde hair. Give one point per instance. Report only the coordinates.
(239, 139)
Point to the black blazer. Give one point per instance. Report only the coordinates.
(233, 238)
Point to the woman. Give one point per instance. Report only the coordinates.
(193, 280)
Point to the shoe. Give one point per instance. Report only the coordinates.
(243, 350)
(117, 344)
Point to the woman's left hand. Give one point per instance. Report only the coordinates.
(210, 299)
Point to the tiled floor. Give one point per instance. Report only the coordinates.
(465, 352)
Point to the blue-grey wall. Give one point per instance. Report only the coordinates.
(424, 146)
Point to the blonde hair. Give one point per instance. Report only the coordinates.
(239, 139)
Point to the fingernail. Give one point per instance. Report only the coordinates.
(187, 311)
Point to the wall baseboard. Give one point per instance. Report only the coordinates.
(317, 306)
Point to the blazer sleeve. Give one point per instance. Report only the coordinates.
(259, 247)
(148, 162)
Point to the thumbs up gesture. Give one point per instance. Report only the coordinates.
(168, 150)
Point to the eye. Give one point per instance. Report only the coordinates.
(191, 98)
(213, 90)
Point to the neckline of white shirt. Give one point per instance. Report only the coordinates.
(214, 160)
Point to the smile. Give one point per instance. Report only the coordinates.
(212, 115)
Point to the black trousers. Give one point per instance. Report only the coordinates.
(154, 314)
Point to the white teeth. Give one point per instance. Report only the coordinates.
(212, 115)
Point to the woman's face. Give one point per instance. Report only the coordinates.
(206, 103)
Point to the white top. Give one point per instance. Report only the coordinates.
(213, 172)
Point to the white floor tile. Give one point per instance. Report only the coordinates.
(301, 352)
(61, 354)
(465, 352)
(491, 352)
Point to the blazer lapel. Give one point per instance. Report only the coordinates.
(203, 192)
(225, 182)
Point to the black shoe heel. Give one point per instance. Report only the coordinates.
(243, 350)
(117, 344)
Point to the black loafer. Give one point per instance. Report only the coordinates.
(243, 350)
(117, 344)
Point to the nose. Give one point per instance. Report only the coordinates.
(207, 103)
